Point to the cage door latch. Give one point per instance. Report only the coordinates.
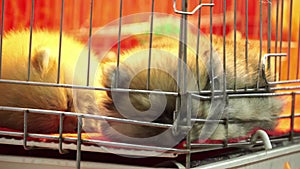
(193, 11)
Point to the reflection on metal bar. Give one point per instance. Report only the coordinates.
(193, 11)
(265, 138)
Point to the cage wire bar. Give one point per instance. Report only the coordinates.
(289, 39)
(119, 44)
(181, 101)
(60, 38)
(234, 46)
(281, 36)
(30, 38)
(197, 47)
(298, 63)
(183, 96)
(276, 39)
(1, 36)
(225, 98)
(150, 46)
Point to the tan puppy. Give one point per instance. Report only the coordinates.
(248, 113)
(43, 68)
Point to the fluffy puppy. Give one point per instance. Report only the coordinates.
(246, 113)
(43, 68)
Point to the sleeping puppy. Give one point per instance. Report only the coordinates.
(43, 68)
(204, 72)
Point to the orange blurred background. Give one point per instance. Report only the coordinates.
(77, 13)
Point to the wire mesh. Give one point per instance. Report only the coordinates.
(283, 86)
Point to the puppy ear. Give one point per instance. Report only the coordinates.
(112, 75)
(40, 60)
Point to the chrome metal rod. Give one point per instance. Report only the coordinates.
(193, 11)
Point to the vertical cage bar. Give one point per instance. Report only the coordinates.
(211, 49)
(269, 32)
(224, 68)
(276, 40)
(281, 37)
(292, 124)
(289, 39)
(78, 151)
(60, 131)
(234, 45)
(184, 47)
(260, 41)
(1, 36)
(119, 44)
(182, 50)
(150, 46)
(298, 63)
(189, 124)
(179, 99)
(182, 100)
(246, 37)
(197, 49)
(30, 38)
(25, 131)
(60, 39)
(90, 43)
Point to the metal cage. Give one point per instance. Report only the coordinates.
(282, 53)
